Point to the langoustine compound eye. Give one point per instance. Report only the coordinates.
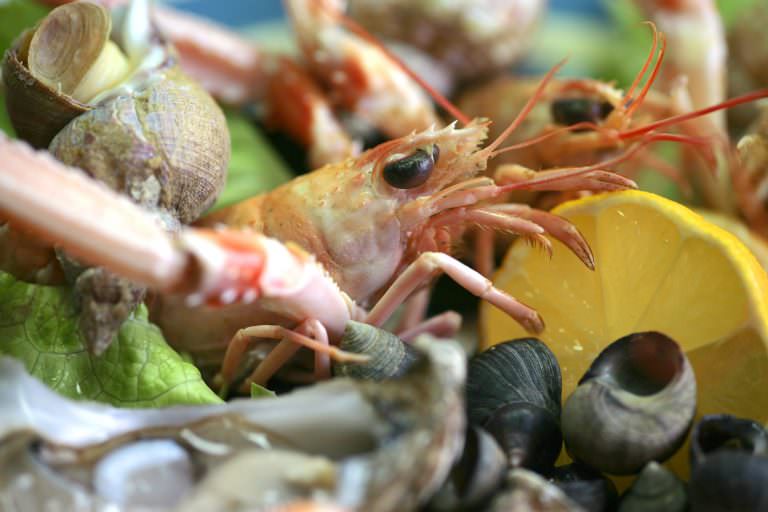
(412, 170)
(569, 111)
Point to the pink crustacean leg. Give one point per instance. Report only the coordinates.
(424, 268)
(444, 325)
(415, 310)
(291, 340)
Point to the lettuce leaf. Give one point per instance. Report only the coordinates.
(39, 326)
(258, 391)
(15, 16)
(254, 168)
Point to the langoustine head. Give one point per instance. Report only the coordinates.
(349, 214)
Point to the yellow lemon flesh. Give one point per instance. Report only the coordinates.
(659, 266)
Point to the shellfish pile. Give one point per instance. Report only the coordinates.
(317, 296)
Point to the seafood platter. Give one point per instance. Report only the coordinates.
(387, 255)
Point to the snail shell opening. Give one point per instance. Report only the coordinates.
(634, 405)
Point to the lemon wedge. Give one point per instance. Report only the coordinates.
(659, 266)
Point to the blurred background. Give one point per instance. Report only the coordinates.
(238, 13)
(578, 29)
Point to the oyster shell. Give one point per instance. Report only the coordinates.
(364, 445)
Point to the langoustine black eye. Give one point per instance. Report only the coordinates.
(569, 111)
(412, 170)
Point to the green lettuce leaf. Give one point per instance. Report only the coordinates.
(5, 123)
(261, 392)
(254, 167)
(15, 16)
(39, 326)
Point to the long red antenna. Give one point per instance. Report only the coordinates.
(441, 100)
(663, 123)
(636, 102)
(535, 97)
(604, 165)
(584, 125)
(645, 65)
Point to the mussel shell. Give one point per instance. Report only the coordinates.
(729, 463)
(634, 405)
(529, 435)
(37, 112)
(517, 371)
(390, 356)
(657, 489)
(586, 487)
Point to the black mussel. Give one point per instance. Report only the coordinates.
(513, 390)
(634, 405)
(586, 487)
(390, 356)
(729, 465)
(656, 489)
(528, 434)
(475, 476)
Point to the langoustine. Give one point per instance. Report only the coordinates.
(419, 220)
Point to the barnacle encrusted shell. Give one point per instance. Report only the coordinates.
(634, 405)
(116, 104)
(169, 141)
(132, 120)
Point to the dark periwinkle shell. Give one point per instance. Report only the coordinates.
(725, 432)
(634, 405)
(475, 476)
(729, 462)
(657, 489)
(528, 434)
(588, 488)
(523, 370)
(513, 390)
(390, 356)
